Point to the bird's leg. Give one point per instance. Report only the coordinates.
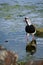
(27, 37)
(33, 37)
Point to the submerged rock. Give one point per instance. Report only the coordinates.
(31, 47)
(6, 40)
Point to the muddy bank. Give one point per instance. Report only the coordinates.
(35, 62)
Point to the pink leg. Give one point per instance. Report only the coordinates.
(33, 36)
(27, 37)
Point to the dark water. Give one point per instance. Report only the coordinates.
(12, 27)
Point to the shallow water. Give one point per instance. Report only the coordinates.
(12, 27)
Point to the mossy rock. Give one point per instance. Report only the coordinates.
(31, 47)
(39, 32)
(21, 63)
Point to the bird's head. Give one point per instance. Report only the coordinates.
(27, 20)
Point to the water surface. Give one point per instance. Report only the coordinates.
(12, 27)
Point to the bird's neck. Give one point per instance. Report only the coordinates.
(28, 22)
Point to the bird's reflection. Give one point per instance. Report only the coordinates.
(31, 47)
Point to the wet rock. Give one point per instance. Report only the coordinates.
(11, 58)
(2, 48)
(39, 32)
(7, 57)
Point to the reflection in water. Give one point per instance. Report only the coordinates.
(12, 14)
(31, 47)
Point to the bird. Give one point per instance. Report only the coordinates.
(29, 28)
(31, 47)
